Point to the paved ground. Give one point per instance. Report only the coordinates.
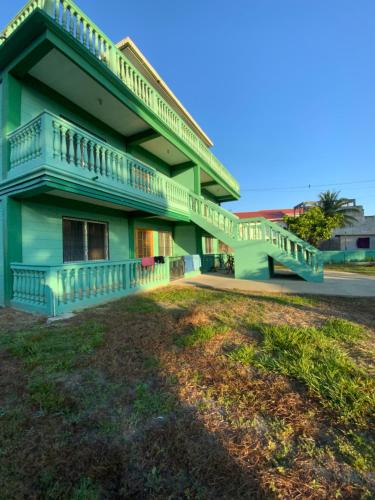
(335, 283)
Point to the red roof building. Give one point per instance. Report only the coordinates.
(275, 215)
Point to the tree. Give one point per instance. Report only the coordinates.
(331, 204)
(313, 225)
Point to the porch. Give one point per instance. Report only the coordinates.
(54, 290)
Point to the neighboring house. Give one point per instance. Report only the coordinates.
(359, 235)
(103, 169)
(274, 215)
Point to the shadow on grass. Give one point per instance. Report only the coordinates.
(110, 421)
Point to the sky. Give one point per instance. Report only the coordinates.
(284, 88)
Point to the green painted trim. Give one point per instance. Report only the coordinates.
(208, 184)
(12, 223)
(76, 111)
(149, 159)
(11, 115)
(80, 55)
(141, 137)
(131, 238)
(197, 180)
(182, 167)
(343, 256)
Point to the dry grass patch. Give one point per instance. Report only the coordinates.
(173, 394)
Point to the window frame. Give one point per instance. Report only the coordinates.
(211, 239)
(85, 240)
(170, 237)
(136, 248)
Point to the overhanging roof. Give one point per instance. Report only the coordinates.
(129, 48)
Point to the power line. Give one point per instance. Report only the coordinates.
(308, 186)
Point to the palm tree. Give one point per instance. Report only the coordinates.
(331, 204)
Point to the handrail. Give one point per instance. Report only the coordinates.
(64, 144)
(282, 231)
(67, 15)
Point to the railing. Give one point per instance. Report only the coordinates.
(57, 289)
(232, 229)
(72, 19)
(56, 142)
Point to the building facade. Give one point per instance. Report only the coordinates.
(107, 183)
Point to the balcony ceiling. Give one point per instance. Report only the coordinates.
(63, 76)
(209, 185)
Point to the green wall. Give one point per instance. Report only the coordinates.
(342, 256)
(185, 177)
(36, 98)
(149, 159)
(184, 240)
(1, 255)
(42, 229)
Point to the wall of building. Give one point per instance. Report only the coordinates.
(340, 257)
(1, 255)
(36, 98)
(42, 229)
(349, 242)
(362, 228)
(185, 240)
(185, 177)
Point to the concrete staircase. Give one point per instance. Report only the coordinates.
(257, 243)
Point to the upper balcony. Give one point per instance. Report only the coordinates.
(77, 60)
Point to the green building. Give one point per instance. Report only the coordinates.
(102, 167)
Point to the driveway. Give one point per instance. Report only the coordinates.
(335, 283)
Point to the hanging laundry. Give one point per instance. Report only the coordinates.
(147, 261)
(189, 264)
(197, 262)
(159, 259)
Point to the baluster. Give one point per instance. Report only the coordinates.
(71, 21)
(64, 15)
(89, 155)
(84, 151)
(110, 279)
(78, 26)
(79, 155)
(63, 143)
(75, 276)
(70, 146)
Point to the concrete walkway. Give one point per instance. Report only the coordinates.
(335, 283)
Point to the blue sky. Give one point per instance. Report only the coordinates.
(286, 89)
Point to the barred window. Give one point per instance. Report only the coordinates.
(84, 240)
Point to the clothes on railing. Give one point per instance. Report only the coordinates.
(159, 259)
(147, 261)
(192, 263)
(197, 262)
(189, 263)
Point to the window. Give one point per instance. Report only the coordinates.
(165, 243)
(209, 244)
(143, 243)
(84, 240)
(363, 243)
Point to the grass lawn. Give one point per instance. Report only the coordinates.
(352, 268)
(190, 393)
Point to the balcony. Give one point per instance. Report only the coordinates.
(54, 290)
(76, 24)
(62, 154)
